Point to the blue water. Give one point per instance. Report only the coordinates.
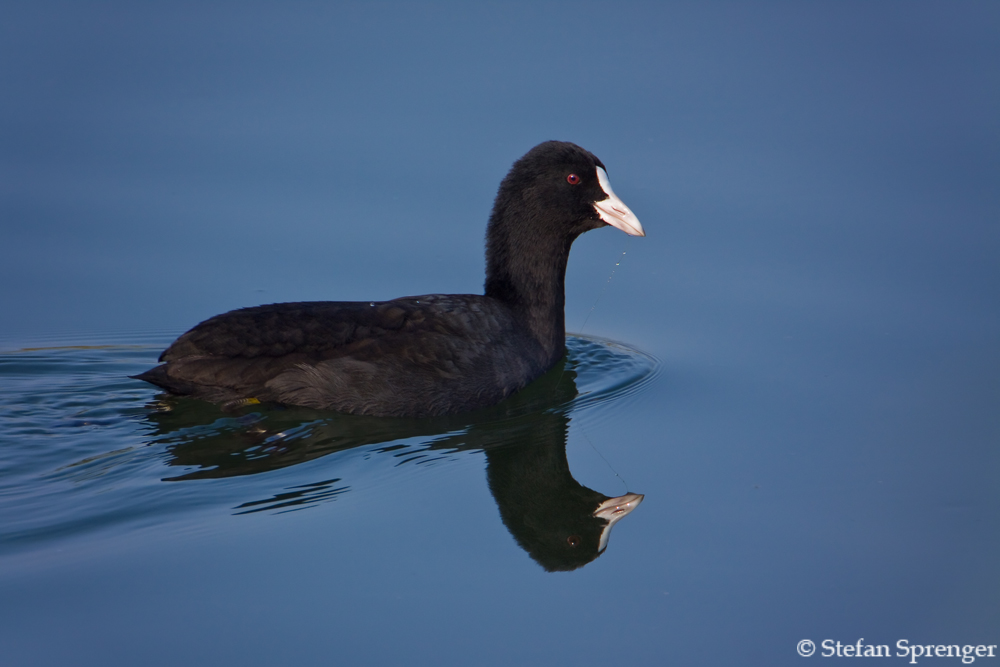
(803, 381)
(91, 451)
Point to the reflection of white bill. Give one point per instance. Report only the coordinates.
(612, 510)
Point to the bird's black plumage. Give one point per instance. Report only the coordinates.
(421, 355)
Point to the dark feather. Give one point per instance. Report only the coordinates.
(413, 356)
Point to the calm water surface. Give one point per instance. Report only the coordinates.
(805, 387)
(92, 452)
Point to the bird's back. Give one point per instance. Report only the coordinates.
(414, 356)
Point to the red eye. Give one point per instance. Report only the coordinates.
(573, 179)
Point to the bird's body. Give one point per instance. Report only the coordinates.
(414, 356)
(422, 355)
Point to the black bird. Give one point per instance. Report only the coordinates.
(418, 356)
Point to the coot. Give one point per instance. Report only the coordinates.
(418, 356)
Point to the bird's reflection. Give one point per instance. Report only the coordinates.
(562, 524)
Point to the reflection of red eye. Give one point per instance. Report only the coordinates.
(573, 179)
(573, 540)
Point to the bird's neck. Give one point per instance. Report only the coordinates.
(528, 275)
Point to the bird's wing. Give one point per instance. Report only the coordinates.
(322, 329)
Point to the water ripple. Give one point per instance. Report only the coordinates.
(85, 448)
